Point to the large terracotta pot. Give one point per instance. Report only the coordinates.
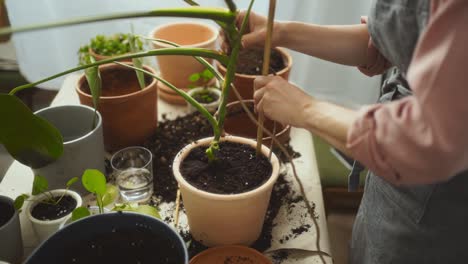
(177, 69)
(128, 119)
(219, 219)
(244, 82)
(238, 123)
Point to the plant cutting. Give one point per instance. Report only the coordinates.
(208, 94)
(226, 20)
(48, 209)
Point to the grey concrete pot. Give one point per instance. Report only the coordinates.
(11, 243)
(83, 146)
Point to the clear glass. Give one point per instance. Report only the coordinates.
(133, 170)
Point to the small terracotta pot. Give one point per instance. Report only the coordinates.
(244, 82)
(177, 69)
(45, 228)
(238, 123)
(230, 254)
(128, 119)
(99, 57)
(225, 219)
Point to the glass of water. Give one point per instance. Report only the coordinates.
(133, 170)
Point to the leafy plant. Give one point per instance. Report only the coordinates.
(40, 186)
(205, 76)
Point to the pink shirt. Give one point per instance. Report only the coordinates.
(422, 138)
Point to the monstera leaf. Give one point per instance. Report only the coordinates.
(28, 138)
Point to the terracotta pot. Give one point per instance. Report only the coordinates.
(219, 219)
(238, 123)
(128, 119)
(45, 228)
(244, 82)
(211, 107)
(230, 254)
(177, 69)
(99, 57)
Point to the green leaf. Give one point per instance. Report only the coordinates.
(30, 139)
(207, 75)
(94, 181)
(72, 181)
(94, 82)
(142, 209)
(80, 212)
(112, 192)
(194, 77)
(19, 201)
(137, 62)
(40, 185)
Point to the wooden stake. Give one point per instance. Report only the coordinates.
(266, 67)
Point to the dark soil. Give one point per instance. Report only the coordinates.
(280, 256)
(119, 81)
(237, 169)
(251, 62)
(6, 212)
(238, 260)
(48, 211)
(205, 97)
(135, 245)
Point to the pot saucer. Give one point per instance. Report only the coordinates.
(230, 254)
(171, 98)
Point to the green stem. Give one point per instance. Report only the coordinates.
(187, 97)
(192, 12)
(159, 52)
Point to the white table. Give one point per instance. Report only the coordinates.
(18, 179)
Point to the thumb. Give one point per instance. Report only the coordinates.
(251, 40)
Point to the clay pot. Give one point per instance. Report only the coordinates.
(238, 123)
(129, 115)
(225, 219)
(99, 57)
(177, 69)
(244, 82)
(230, 254)
(45, 228)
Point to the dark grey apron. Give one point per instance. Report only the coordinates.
(419, 224)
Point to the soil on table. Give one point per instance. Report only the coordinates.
(119, 81)
(135, 245)
(6, 212)
(49, 211)
(250, 62)
(236, 169)
(205, 97)
(238, 260)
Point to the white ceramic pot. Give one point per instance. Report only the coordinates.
(83, 145)
(44, 229)
(11, 243)
(218, 219)
(177, 69)
(211, 107)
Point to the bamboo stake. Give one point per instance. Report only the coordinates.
(266, 66)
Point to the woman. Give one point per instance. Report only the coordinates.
(415, 204)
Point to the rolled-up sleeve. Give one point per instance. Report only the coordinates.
(423, 138)
(376, 63)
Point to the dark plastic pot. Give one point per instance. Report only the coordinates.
(112, 238)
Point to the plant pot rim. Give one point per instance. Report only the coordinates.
(98, 56)
(126, 148)
(41, 196)
(217, 91)
(98, 125)
(286, 56)
(226, 197)
(9, 201)
(107, 67)
(232, 250)
(251, 101)
(196, 45)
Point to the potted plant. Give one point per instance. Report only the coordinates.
(211, 152)
(208, 94)
(103, 47)
(47, 210)
(11, 244)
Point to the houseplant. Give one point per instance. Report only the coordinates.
(48, 209)
(226, 20)
(207, 94)
(11, 249)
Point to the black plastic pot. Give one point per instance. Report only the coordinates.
(113, 238)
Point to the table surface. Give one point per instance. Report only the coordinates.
(18, 179)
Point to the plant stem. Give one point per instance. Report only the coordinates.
(169, 51)
(187, 97)
(192, 12)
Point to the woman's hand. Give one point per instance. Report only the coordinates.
(255, 33)
(281, 101)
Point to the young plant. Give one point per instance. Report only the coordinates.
(40, 186)
(95, 182)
